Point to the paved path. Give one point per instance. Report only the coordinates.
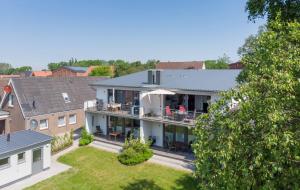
(56, 168)
(157, 159)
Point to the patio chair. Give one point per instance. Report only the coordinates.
(98, 130)
(182, 108)
(99, 104)
(171, 146)
(169, 113)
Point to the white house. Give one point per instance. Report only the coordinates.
(161, 105)
(22, 154)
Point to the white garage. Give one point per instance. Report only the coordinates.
(22, 154)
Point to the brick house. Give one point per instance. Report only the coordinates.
(70, 71)
(48, 105)
(236, 65)
(181, 65)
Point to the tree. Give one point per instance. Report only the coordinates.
(4, 68)
(289, 9)
(221, 63)
(256, 145)
(247, 48)
(104, 70)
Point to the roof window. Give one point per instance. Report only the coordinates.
(66, 97)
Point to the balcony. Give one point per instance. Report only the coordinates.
(173, 116)
(113, 109)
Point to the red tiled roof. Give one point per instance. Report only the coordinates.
(41, 73)
(181, 65)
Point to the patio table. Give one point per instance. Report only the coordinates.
(115, 134)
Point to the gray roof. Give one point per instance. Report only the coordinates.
(77, 69)
(47, 92)
(22, 140)
(196, 80)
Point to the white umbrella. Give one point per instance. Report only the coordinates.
(159, 92)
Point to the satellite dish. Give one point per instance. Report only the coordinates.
(33, 124)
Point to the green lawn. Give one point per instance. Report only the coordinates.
(96, 169)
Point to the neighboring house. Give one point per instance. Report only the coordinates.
(236, 65)
(161, 105)
(8, 76)
(23, 154)
(181, 65)
(49, 105)
(70, 71)
(4, 122)
(41, 73)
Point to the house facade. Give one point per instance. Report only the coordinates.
(23, 154)
(48, 105)
(71, 71)
(161, 105)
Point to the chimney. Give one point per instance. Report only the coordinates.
(150, 80)
(158, 77)
(8, 137)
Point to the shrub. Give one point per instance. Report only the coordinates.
(135, 152)
(59, 143)
(86, 138)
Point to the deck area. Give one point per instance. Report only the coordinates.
(183, 156)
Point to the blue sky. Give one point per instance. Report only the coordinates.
(36, 32)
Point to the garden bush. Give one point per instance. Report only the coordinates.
(59, 143)
(86, 138)
(135, 152)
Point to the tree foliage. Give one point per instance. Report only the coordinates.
(257, 144)
(104, 70)
(7, 69)
(121, 67)
(289, 9)
(221, 63)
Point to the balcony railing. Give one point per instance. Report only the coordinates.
(113, 108)
(174, 116)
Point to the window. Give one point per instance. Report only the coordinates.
(21, 157)
(4, 162)
(72, 119)
(66, 97)
(44, 124)
(61, 121)
(11, 100)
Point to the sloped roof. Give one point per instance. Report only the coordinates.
(41, 73)
(180, 65)
(196, 80)
(21, 140)
(46, 93)
(77, 69)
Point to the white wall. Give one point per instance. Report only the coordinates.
(46, 156)
(88, 122)
(16, 170)
(152, 129)
(98, 120)
(151, 103)
(102, 94)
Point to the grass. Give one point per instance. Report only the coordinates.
(96, 169)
